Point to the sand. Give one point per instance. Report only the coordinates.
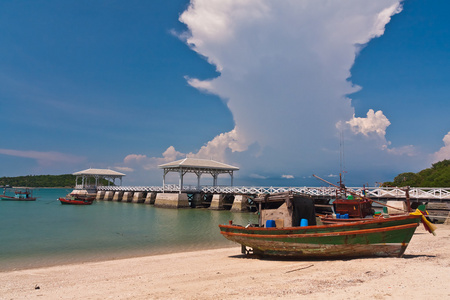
(423, 273)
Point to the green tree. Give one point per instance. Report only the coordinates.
(436, 176)
(65, 180)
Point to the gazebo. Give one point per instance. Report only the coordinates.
(198, 167)
(97, 174)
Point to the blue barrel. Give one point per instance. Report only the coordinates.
(303, 222)
(270, 223)
(338, 216)
(345, 216)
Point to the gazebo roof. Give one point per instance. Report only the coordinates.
(196, 163)
(99, 172)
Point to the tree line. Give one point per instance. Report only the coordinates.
(436, 176)
(65, 180)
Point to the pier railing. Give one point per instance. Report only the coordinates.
(326, 192)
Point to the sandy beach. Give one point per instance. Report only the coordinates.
(423, 273)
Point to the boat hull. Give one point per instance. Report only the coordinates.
(358, 239)
(7, 198)
(75, 202)
(19, 195)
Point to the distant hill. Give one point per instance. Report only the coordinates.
(66, 180)
(436, 176)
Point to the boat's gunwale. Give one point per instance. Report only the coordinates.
(346, 224)
(9, 198)
(321, 234)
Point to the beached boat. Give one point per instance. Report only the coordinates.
(19, 195)
(378, 237)
(76, 200)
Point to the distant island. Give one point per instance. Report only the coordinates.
(436, 176)
(65, 180)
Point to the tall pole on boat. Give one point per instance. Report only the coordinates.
(355, 194)
(342, 157)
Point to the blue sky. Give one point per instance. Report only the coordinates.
(272, 87)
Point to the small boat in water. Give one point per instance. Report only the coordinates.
(19, 195)
(77, 200)
(383, 237)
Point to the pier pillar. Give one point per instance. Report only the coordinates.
(108, 195)
(172, 200)
(150, 199)
(127, 196)
(138, 197)
(117, 196)
(100, 195)
(197, 200)
(239, 203)
(217, 202)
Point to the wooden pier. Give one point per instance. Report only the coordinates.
(235, 198)
(241, 198)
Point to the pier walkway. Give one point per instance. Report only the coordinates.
(380, 193)
(241, 198)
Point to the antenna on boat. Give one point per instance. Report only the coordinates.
(341, 158)
(355, 194)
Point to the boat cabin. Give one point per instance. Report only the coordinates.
(287, 209)
(354, 207)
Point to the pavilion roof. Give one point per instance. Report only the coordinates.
(99, 172)
(197, 163)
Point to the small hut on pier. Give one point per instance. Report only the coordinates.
(198, 167)
(97, 174)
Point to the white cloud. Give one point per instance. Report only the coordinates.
(284, 69)
(170, 155)
(376, 122)
(288, 176)
(373, 132)
(140, 161)
(202, 85)
(140, 165)
(49, 158)
(134, 158)
(216, 148)
(257, 176)
(124, 169)
(383, 18)
(408, 150)
(284, 74)
(444, 152)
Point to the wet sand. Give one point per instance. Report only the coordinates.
(423, 273)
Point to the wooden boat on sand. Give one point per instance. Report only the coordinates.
(384, 237)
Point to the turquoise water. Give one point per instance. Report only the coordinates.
(44, 232)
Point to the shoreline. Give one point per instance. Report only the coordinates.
(80, 258)
(226, 274)
(39, 187)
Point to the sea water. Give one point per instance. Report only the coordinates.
(44, 232)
